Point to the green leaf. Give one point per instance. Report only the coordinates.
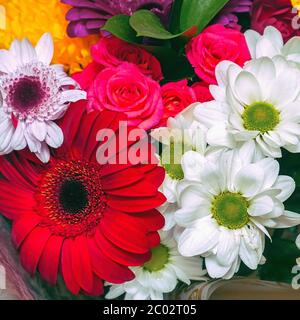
(199, 13)
(281, 257)
(119, 26)
(147, 24)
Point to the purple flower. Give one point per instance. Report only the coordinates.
(88, 16)
(227, 17)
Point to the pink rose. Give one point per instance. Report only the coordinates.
(202, 92)
(111, 52)
(215, 44)
(125, 89)
(87, 75)
(176, 97)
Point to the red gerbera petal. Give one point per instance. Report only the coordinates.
(49, 261)
(22, 227)
(106, 268)
(32, 248)
(81, 263)
(66, 266)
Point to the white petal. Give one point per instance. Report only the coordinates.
(221, 72)
(252, 38)
(45, 49)
(270, 168)
(186, 217)
(115, 291)
(287, 220)
(247, 88)
(211, 113)
(261, 205)
(72, 96)
(7, 62)
(266, 48)
(39, 130)
(284, 88)
(228, 247)
(251, 248)
(214, 268)
(192, 164)
(275, 36)
(287, 186)
(267, 149)
(54, 136)
(249, 180)
(200, 239)
(28, 52)
(44, 153)
(218, 135)
(18, 141)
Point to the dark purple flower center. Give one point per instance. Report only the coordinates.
(26, 94)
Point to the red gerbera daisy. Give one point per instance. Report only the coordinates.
(88, 221)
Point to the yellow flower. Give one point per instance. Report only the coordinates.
(32, 18)
(296, 4)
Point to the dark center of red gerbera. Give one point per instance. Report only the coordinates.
(73, 196)
(70, 197)
(26, 93)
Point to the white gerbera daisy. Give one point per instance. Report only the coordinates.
(258, 106)
(183, 133)
(161, 274)
(226, 211)
(271, 44)
(33, 93)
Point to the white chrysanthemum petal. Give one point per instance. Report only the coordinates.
(228, 247)
(45, 49)
(287, 186)
(261, 206)
(249, 180)
(186, 217)
(265, 48)
(251, 247)
(192, 242)
(214, 268)
(275, 36)
(247, 88)
(114, 292)
(284, 88)
(221, 72)
(251, 39)
(270, 168)
(287, 220)
(192, 164)
(219, 135)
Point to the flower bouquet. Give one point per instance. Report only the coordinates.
(149, 147)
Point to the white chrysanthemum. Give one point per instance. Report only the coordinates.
(33, 93)
(271, 44)
(183, 133)
(258, 106)
(226, 211)
(161, 274)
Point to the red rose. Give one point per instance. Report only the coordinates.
(111, 52)
(176, 97)
(276, 13)
(202, 92)
(127, 90)
(215, 44)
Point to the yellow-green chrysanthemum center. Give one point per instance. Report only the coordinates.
(261, 116)
(230, 210)
(160, 257)
(171, 159)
